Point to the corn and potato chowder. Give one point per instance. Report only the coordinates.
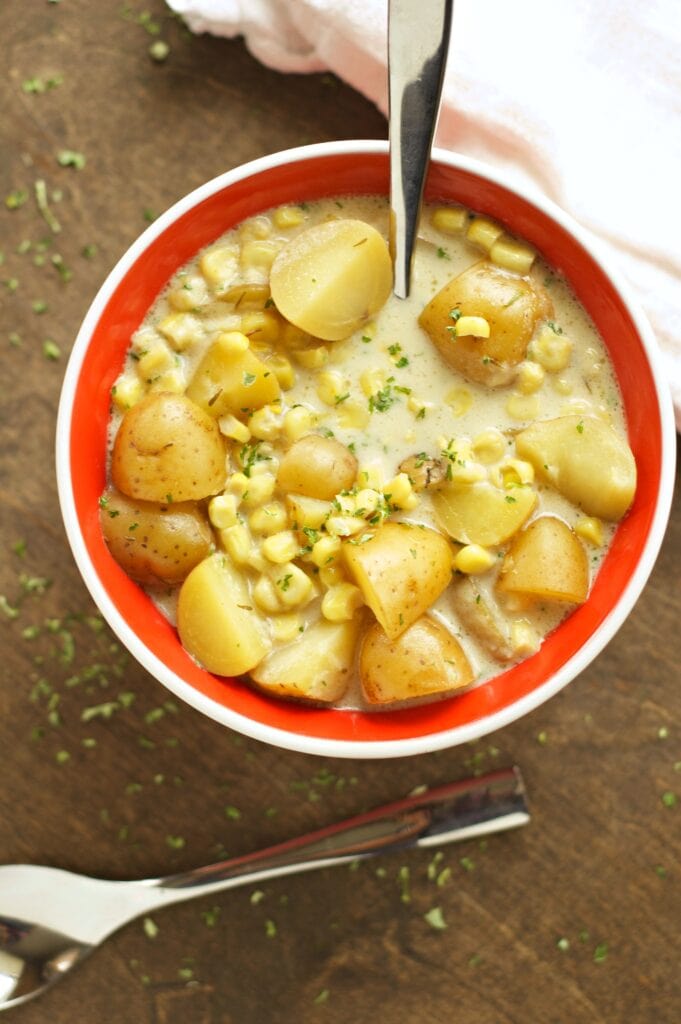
(357, 500)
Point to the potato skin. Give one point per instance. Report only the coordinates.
(401, 570)
(318, 467)
(512, 305)
(316, 666)
(167, 446)
(154, 543)
(426, 659)
(546, 561)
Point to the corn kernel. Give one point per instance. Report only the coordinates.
(371, 381)
(219, 267)
(154, 361)
(346, 503)
(265, 423)
(463, 471)
(238, 484)
(260, 489)
(126, 392)
(261, 325)
(523, 407)
(297, 422)
(562, 386)
(172, 380)
(246, 296)
(283, 371)
(472, 326)
(266, 595)
(473, 559)
(268, 519)
(524, 638)
(450, 220)
(590, 529)
(222, 511)
(312, 358)
(512, 255)
(352, 416)
(515, 472)
(344, 526)
(325, 550)
(307, 512)
(370, 476)
(330, 386)
(400, 493)
(288, 217)
(489, 446)
(340, 603)
(233, 342)
(331, 575)
(367, 501)
(255, 227)
(530, 377)
(237, 543)
(189, 295)
(459, 400)
(234, 429)
(258, 254)
(280, 547)
(418, 406)
(551, 350)
(294, 586)
(483, 232)
(286, 627)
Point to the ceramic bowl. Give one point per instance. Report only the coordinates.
(309, 173)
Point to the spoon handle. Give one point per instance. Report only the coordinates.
(418, 40)
(460, 810)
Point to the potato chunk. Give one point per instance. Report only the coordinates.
(546, 561)
(584, 459)
(481, 618)
(511, 305)
(154, 543)
(316, 666)
(216, 620)
(318, 467)
(424, 660)
(480, 513)
(231, 379)
(401, 570)
(168, 449)
(332, 278)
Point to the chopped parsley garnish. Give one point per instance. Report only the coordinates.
(249, 378)
(443, 254)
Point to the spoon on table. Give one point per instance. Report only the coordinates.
(50, 920)
(418, 40)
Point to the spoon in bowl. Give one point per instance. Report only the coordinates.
(418, 40)
(50, 920)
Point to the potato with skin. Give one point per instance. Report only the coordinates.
(512, 306)
(154, 543)
(584, 459)
(424, 660)
(216, 620)
(480, 513)
(546, 561)
(332, 278)
(481, 618)
(317, 666)
(230, 380)
(401, 570)
(168, 449)
(317, 467)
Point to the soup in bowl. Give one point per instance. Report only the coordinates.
(350, 524)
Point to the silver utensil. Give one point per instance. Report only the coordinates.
(50, 920)
(418, 40)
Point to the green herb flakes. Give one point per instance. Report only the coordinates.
(62, 756)
(270, 929)
(233, 813)
(159, 51)
(600, 952)
(51, 350)
(71, 158)
(176, 842)
(210, 917)
(435, 918)
(563, 944)
(322, 997)
(16, 199)
(150, 928)
(669, 799)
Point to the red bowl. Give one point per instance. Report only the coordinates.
(313, 172)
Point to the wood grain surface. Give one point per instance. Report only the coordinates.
(575, 919)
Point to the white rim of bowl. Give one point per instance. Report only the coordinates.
(369, 749)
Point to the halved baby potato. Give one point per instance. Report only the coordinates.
(154, 543)
(480, 513)
(546, 561)
(167, 449)
(584, 459)
(332, 278)
(317, 666)
(511, 305)
(401, 570)
(232, 379)
(424, 660)
(318, 467)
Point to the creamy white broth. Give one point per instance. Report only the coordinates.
(430, 404)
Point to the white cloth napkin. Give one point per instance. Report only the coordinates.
(580, 98)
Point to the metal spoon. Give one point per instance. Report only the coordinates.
(418, 40)
(50, 920)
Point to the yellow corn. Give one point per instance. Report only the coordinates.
(344, 526)
(237, 543)
(370, 476)
(325, 550)
(449, 219)
(512, 255)
(489, 446)
(189, 294)
(234, 429)
(172, 380)
(472, 326)
(246, 297)
(286, 627)
(265, 423)
(341, 602)
(590, 529)
(312, 358)
(371, 381)
(154, 362)
(473, 559)
(515, 472)
(126, 392)
(352, 416)
(283, 371)
(418, 406)
(483, 232)
(288, 217)
(266, 595)
(293, 585)
(551, 350)
(524, 638)
(306, 512)
(222, 511)
(331, 575)
(255, 228)
(261, 326)
(258, 254)
(530, 377)
(233, 342)
(523, 407)
(367, 501)
(260, 489)
(562, 385)
(280, 547)
(400, 493)
(268, 519)
(219, 267)
(330, 386)
(297, 422)
(459, 400)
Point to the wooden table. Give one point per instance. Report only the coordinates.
(575, 919)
